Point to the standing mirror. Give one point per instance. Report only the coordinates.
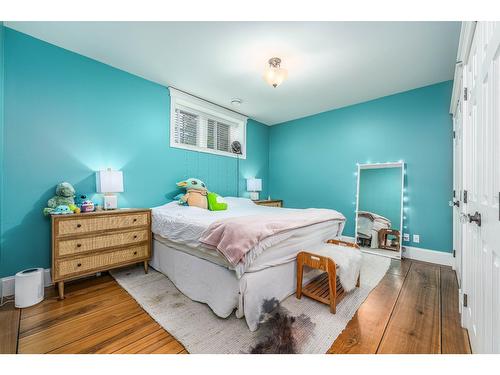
(379, 208)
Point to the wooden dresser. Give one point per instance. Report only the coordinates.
(270, 203)
(87, 243)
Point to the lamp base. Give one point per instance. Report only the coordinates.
(254, 195)
(110, 202)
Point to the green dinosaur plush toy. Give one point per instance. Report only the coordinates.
(65, 196)
(197, 195)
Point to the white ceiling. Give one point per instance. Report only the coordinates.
(330, 64)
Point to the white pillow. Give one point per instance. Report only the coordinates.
(239, 202)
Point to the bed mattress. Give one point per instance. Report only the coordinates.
(181, 227)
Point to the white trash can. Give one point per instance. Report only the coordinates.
(29, 287)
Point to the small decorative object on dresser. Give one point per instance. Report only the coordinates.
(270, 202)
(88, 243)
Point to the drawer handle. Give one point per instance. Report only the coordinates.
(79, 265)
(78, 225)
(135, 220)
(135, 235)
(78, 245)
(135, 252)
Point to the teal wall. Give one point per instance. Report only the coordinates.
(67, 116)
(2, 42)
(313, 159)
(380, 193)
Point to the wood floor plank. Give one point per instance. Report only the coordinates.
(66, 311)
(163, 342)
(9, 326)
(173, 347)
(142, 344)
(454, 338)
(399, 267)
(74, 293)
(415, 324)
(112, 338)
(74, 329)
(363, 333)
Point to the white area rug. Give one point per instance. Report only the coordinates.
(201, 331)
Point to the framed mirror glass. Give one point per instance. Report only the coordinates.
(379, 208)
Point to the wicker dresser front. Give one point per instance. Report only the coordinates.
(88, 243)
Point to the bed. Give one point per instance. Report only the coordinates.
(204, 274)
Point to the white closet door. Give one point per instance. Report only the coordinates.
(489, 182)
(471, 253)
(481, 262)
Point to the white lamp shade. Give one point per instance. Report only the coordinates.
(109, 181)
(254, 184)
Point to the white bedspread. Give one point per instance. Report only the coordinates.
(185, 225)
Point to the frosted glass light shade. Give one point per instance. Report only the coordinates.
(254, 184)
(108, 181)
(275, 75)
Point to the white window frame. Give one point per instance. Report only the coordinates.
(181, 100)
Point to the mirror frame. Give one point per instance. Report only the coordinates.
(398, 164)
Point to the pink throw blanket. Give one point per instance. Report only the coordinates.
(234, 237)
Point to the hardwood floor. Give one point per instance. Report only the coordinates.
(414, 309)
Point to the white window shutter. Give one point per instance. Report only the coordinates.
(186, 128)
(223, 137)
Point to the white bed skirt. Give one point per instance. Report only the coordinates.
(219, 288)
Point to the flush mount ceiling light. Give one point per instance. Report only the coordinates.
(275, 74)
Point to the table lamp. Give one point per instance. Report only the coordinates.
(254, 185)
(109, 182)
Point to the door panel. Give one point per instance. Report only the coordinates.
(481, 176)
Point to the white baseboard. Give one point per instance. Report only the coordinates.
(7, 287)
(424, 255)
(431, 256)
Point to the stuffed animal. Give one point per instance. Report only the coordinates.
(216, 202)
(196, 193)
(86, 205)
(61, 210)
(65, 196)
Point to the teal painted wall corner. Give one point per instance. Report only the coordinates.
(67, 116)
(323, 149)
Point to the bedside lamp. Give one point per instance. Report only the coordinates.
(254, 185)
(109, 182)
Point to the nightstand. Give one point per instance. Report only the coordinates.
(270, 203)
(87, 243)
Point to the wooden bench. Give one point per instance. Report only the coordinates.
(326, 287)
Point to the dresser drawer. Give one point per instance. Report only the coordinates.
(84, 224)
(83, 245)
(76, 266)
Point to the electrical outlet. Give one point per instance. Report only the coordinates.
(416, 238)
(406, 237)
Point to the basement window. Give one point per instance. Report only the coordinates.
(198, 125)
